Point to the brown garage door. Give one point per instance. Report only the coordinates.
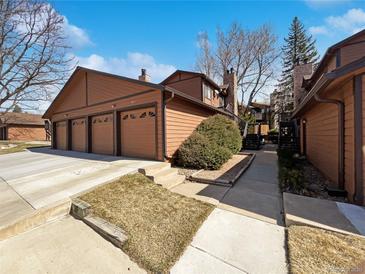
(102, 134)
(138, 133)
(78, 134)
(61, 140)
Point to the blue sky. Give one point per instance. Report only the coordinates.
(121, 37)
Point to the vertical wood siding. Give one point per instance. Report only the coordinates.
(181, 120)
(351, 53)
(103, 88)
(348, 99)
(322, 136)
(190, 86)
(74, 95)
(363, 133)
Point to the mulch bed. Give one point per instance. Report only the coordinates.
(316, 184)
(227, 174)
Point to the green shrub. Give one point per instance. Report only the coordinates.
(200, 153)
(222, 131)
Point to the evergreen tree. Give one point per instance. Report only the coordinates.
(299, 49)
(17, 109)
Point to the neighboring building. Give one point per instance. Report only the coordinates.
(331, 115)
(22, 127)
(108, 114)
(281, 104)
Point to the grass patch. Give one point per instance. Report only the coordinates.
(160, 224)
(19, 147)
(313, 250)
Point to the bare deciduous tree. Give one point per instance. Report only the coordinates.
(205, 60)
(33, 53)
(252, 54)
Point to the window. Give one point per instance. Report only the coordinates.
(208, 92)
(221, 101)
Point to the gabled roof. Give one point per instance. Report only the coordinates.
(147, 84)
(327, 79)
(332, 49)
(21, 118)
(199, 74)
(78, 69)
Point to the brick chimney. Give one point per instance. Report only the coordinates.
(144, 76)
(301, 73)
(230, 78)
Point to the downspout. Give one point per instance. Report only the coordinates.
(164, 121)
(341, 118)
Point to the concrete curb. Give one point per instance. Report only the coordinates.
(222, 182)
(110, 232)
(36, 218)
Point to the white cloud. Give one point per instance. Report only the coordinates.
(318, 30)
(349, 23)
(129, 66)
(77, 37)
(352, 20)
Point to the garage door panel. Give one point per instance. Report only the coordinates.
(61, 135)
(138, 133)
(78, 127)
(102, 134)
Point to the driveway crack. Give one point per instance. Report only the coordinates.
(2, 179)
(223, 261)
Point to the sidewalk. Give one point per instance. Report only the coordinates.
(244, 234)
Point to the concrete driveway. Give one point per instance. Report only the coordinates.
(64, 246)
(33, 179)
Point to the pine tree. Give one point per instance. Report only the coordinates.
(299, 49)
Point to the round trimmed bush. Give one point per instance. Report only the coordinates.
(222, 131)
(200, 153)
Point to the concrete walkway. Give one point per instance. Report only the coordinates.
(63, 246)
(33, 179)
(245, 233)
(256, 193)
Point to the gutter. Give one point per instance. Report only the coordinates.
(164, 102)
(341, 136)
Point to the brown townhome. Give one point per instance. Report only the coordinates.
(103, 113)
(22, 127)
(330, 109)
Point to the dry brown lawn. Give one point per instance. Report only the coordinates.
(313, 250)
(159, 224)
(19, 148)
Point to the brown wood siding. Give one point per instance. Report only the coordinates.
(119, 104)
(103, 88)
(102, 134)
(349, 161)
(74, 95)
(322, 135)
(322, 139)
(138, 133)
(363, 133)
(352, 52)
(26, 133)
(61, 135)
(181, 120)
(190, 86)
(78, 127)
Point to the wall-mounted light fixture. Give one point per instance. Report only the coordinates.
(304, 121)
(113, 105)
